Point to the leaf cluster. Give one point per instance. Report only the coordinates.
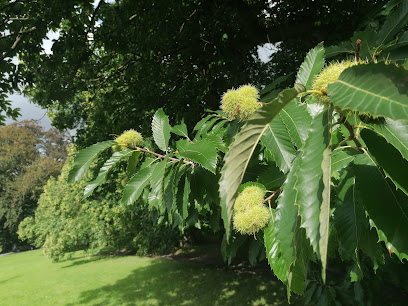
(344, 189)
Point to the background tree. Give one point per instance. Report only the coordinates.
(29, 156)
(114, 64)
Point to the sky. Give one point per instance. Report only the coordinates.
(31, 111)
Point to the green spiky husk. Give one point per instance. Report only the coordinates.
(241, 103)
(329, 75)
(129, 138)
(252, 220)
(248, 198)
(250, 215)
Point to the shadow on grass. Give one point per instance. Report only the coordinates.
(166, 282)
(9, 279)
(85, 260)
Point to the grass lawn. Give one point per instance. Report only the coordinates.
(31, 279)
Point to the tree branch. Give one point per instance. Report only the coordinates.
(272, 195)
(17, 41)
(352, 136)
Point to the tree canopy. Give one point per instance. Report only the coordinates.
(115, 63)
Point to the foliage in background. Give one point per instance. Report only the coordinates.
(337, 155)
(29, 156)
(65, 221)
(115, 63)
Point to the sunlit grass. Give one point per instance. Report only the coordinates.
(31, 279)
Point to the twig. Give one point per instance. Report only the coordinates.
(19, 18)
(17, 41)
(318, 92)
(358, 48)
(353, 136)
(272, 195)
(235, 112)
(162, 156)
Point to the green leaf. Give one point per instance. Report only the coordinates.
(104, 170)
(206, 126)
(180, 130)
(177, 210)
(341, 158)
(402, 42)
(203, 121)
(377, 89)
(368, 44)
(161, 129)
(186, 195)
(324, 217)
(240, 152)
(297, 120)
(395, 132)
(287, 247)
(229, 250)
(372, 248)
(393, 24)
(217, 141)
(220, 128)
(298, 271)
(311, 66)
(349, 218)
(386, 207)
(274, 85)
(255, 246)
(279, 235)
(388, 158)
(170, 192)
(277, 140)
(342, 48)
(272, 178)
(355, 273)
(135, 186)
(132, 162)
(270, 96)
(352, 225)
(399, 55)
(233, 128)
(203, 152)
(156, 182)
(310, 175)
(85, 157)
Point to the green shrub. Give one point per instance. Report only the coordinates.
(65, 221)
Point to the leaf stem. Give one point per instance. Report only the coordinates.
(350, 129)
(274, 193)
(318, 92)
(162, 156)
(235, 112)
